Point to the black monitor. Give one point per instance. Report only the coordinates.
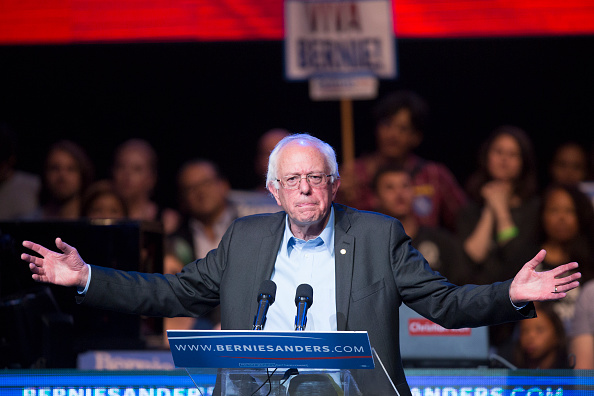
(41, 325)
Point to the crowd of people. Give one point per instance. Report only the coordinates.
(479, 234)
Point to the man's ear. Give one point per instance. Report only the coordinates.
(274, 191)
(335, 186)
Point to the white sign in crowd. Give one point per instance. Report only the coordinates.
(339, 39)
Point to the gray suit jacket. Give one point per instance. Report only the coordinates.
(378, 271)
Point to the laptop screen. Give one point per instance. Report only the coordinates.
(426, 344)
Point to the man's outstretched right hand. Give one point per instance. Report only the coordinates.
(65, 269)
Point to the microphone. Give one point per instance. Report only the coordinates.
(303, 300)
(265, 300)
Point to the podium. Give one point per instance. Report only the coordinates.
(302, 382)
(282, 363)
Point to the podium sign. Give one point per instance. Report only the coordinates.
(261, 349)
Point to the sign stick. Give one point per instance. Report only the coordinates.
(348, 133)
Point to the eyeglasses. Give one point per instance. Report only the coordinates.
(293, 182)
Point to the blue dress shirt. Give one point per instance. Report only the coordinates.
(310, 262)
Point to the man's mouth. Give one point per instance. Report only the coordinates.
(305, 204)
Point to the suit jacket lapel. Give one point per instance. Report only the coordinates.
(344, 247)
(267, 256)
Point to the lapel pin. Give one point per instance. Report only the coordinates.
(342, 251)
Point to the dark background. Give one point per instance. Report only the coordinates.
(214, 100)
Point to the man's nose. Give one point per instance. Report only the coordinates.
(304, 186)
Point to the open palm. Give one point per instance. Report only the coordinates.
(530, 285)
(66, 268)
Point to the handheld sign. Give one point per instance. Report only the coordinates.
(337, 38)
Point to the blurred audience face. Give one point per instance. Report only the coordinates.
(203, 192)
(569, 165)
(265, 145)
(395, 193)
(397, 137)
(62, 175)
(504, 158)
(133, 172)
(560, 219)
(106, 206)
(538, 337)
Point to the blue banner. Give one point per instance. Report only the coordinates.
(253, 349)
(423, 382)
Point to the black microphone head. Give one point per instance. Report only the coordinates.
(304, 292)
(267, 288)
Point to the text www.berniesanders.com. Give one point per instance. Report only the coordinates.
(270, 348)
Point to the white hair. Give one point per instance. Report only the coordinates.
(324, 148)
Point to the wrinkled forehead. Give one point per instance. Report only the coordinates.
(301, 157)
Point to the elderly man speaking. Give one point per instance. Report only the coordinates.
(360, 264)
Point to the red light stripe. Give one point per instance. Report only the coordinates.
(75, 21)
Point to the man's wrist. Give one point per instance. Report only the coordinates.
(81, 289)
(517, 306)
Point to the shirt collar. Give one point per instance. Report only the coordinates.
(327, 235)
